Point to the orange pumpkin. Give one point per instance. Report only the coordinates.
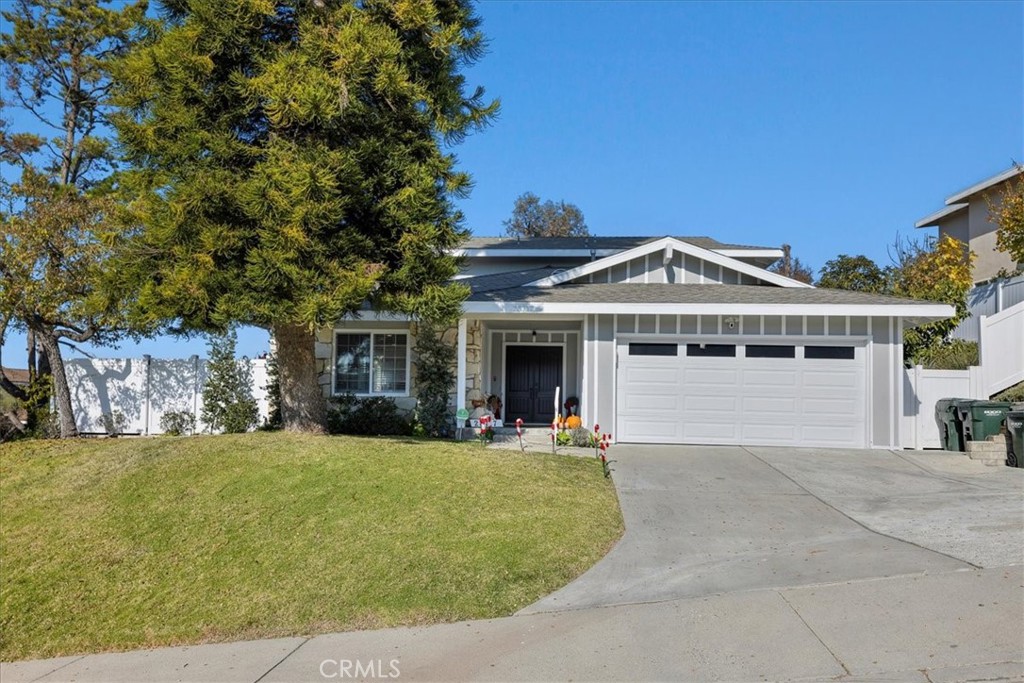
(573, 422)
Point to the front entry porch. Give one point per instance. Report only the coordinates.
(522, 362)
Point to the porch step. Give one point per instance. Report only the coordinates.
(991, 451)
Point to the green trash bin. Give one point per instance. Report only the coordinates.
(950, 432)
(982, 419)
(1015, 425)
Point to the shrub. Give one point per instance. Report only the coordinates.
(1014, 394)
(178, 422)
(563, 438)
(955, 354)
(435, 380)
(228, 404)
(583, 437)
(372, 416)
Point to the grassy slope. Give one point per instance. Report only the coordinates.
(115, 544)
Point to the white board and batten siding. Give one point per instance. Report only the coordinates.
(852, 402)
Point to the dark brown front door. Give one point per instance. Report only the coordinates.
(531, 375)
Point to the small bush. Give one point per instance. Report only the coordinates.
(372, 416)
(583, 437)
(563, 438)
(178, 422)
(228, 404)
(955, 354)
(1014, 394)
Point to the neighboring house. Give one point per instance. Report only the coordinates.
(966, 217)
(662, 340)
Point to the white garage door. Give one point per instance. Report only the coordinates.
(746, 393)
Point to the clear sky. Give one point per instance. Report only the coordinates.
(830, 126)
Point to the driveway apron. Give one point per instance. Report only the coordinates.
(702, 520)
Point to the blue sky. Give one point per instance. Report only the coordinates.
(830, 126)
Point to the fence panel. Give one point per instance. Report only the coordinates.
(921, 391)
(1002, 348)
(142, 390)
(988, 299)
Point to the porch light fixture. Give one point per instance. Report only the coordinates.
(534, 335)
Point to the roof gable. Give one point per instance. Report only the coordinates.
(665, 250)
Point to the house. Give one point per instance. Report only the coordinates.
(966, 217)
(661, 339)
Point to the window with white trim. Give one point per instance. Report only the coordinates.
(371, 363)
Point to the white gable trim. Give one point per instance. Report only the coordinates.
(661, 245)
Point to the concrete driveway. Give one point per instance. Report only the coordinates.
(737, 564)
(717, 519)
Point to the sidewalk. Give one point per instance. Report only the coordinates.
(954, 626)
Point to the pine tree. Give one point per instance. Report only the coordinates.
(292, 163)
(57, 214)
(228, 404)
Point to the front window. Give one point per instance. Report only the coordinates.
(371, 363)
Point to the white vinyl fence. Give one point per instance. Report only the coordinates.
(921, 391)
(143, 389)
(988, 299)
(1002, 349)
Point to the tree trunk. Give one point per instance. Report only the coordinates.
(61, 390)
(303, 408)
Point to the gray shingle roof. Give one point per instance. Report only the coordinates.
(497, 281)
(627, 293)
(595, 241)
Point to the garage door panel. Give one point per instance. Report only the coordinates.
(834, 407)
(770, 378)
(831, 379)
(712, 377)
(765, 433)
(741, 400)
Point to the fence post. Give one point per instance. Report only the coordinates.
(918, 436)
(195, 387)
(147, 360)
(999, 295)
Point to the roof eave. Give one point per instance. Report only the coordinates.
(934, 218)
(919, 313)
(985, 184)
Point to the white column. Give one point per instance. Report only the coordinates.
(460, 381)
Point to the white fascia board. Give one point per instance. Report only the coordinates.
(531, 253)
(750, 253)
(933, 219)
(659, 245)
(919, 312)
(984, 185)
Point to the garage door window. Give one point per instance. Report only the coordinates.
(653, 349)
(711, 350)
(829, 352)
(770, 351)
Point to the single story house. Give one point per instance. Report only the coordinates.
(681, 340)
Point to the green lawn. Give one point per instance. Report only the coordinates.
(116, 544)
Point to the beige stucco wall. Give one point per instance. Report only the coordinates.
(989, 260)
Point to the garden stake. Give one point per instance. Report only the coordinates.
(597, 439)
(519, 433)
(554, 430)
